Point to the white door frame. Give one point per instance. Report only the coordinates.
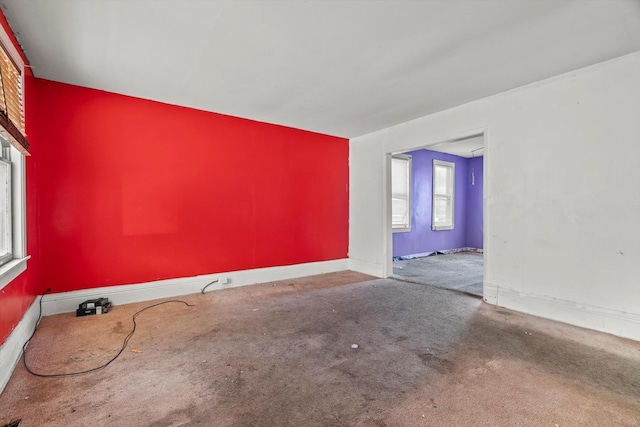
(387, 238)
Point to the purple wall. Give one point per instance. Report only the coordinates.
(474, 203)
(467, 208)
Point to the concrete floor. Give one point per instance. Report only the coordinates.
(460, 271)
(280, 354)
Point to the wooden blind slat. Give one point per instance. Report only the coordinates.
(11, 103)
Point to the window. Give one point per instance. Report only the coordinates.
(443, 185)
(401, 192)
(13, 149)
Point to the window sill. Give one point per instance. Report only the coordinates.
(442, 227)
(401, 230)
(11, 270)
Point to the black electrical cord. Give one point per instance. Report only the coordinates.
(70, 374)
(208, 284)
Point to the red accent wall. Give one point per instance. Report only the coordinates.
(15, 299)
(131, 190)
(125, 190)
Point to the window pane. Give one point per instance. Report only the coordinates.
(400, 188)
(443, 210)
(399, 212)
(443, 197)
(399, 181)
(441, 179)
(5, 208)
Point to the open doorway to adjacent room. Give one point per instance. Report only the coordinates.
(437, 214)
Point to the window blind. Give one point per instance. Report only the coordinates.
(11, 103)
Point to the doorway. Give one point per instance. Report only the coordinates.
(440, 242)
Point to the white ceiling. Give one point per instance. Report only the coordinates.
(343, 68)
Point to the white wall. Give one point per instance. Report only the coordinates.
(562, 194)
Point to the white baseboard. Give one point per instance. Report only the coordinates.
(366, 267)
(619, 323)
(11, 350)
(66, 302)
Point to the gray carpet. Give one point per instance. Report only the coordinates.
(281, 354)
(460, 271)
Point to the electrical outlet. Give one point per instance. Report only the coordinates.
(223, 280)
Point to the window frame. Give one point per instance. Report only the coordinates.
(449, 194)
(15, 266)
(405, 226)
